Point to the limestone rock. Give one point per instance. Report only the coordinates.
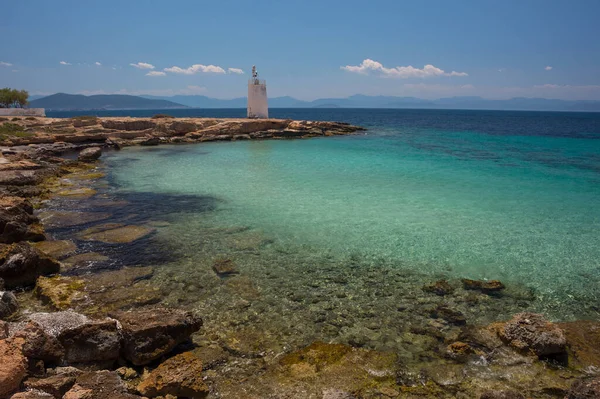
(182, 127)
(38, 344)
(56, 385)
(585, 389)
(532, 332)
(16, 214)
(90, 154)
(13, 366)
(97, 341)
(151, 333)
(8, 304)
(128, 125)
(84, 340)
(485, 286)
(180, 376)
(99, 385)
(21, 264)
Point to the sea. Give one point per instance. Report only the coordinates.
(335, 238)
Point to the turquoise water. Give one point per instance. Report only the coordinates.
(477, 203)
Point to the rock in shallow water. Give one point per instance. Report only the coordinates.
(487, 287)
(90, 154)
(440, 287)
(99, 385)
(180, 376)
(21, 264)
(56, 249)
(532, 332)
(8, 304)
(149, 334)
(114, 233)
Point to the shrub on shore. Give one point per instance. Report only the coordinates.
(12, 130)
(160, 116)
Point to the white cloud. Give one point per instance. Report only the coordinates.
(402, 72)
(142, 65)
(235, 70)
(64, 63)
(97, 63)
(6, 64)
(548, 68)
(194, 69)
(155, 73)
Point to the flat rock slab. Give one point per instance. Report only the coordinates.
(56, 248)
(99, 385)
(70, 218)
(114, 233)
(82, 260)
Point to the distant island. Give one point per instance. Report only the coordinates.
(70, 102)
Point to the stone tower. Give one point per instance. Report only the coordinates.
(257, 97)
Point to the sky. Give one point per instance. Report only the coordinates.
(304, 49)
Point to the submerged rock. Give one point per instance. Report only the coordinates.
(532, 332)
(151, 333)
(21, 264)
(440, 287)
(224, 267)
(114, 233)
(56, 249)
(84, 259)
(450, 315)
(90, 154)
(8, 304)
(485, 286)
(180, 376)
(62, 219)
(35, 394)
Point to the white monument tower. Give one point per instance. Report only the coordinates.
(257, 97)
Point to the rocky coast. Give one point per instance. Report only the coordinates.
(77, 323)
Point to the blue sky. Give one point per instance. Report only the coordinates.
(305, 49)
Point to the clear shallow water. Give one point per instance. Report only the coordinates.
(493, 195)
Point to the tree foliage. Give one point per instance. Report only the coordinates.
(12, 98)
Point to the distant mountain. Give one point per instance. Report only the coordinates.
(69, 102)
(112, 102)
(363, 101)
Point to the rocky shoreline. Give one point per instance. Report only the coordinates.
(106, 334)
(59, 135)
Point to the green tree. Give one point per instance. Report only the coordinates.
(10, 98)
